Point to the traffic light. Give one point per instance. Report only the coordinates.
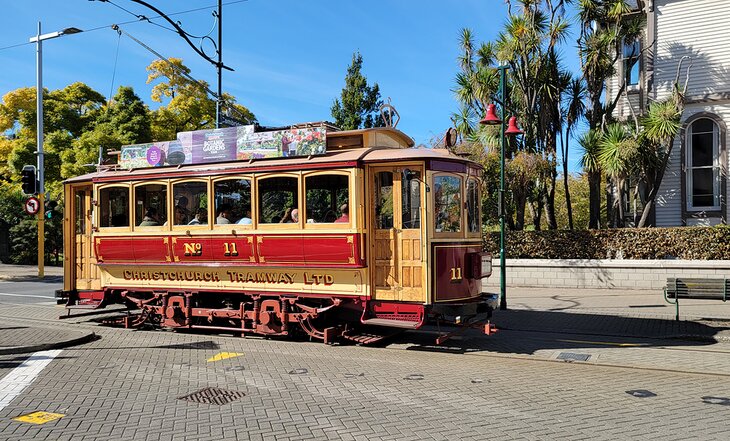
(50, 209)
(27, 177)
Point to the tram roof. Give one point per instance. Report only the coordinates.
(402, 150)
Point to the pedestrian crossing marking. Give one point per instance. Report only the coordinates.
(223, 356)
(39, 417)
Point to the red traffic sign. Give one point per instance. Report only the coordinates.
(32, 205)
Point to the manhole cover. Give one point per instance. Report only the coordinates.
(641, 393)
(572, 356)
(213, 395)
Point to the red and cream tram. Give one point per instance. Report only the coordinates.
(366, 232)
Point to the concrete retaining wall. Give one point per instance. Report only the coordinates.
(636, 274)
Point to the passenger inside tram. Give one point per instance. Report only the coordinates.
(201, 217)
(224, 215)
(150, 218)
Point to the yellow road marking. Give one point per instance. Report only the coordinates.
(223, 356)
(39, 417)
(605, 343)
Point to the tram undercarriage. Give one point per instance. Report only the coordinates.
(324, 318)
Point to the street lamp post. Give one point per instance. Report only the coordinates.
(491, 118)
(38, 39)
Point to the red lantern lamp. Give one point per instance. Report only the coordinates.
(512, 129)
(491, 118)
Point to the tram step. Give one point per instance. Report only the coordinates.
(402, 324)
(371, 336)
(86, 304)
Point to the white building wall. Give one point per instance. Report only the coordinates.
(697, 29)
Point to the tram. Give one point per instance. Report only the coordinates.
(305, 229)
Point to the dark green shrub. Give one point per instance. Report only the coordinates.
(701, 243)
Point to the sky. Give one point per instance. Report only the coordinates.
(289, 56)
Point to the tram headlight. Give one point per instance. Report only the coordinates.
(486, 267)
(480, 265)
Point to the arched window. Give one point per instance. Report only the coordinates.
(704, 184)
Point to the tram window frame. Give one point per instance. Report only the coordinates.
(462, 212)
(100, 208)
(163, 225)
(190, 209)
(213, 207)
(477, 185)
(297, 204)
(336, 211)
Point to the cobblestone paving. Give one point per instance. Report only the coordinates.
(126, 386)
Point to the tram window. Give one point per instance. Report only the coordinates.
(328, 199)
(473, 218)
(190, 198)
(278, 200)
(233, 201)
(447, 197)
(114, 207)
(411, 199)
(384, 200)
(150, 205)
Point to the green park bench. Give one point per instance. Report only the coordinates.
(696, 289)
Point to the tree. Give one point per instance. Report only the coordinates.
(661, 126)
(618, 152)
(189, 107)
(592, 168)
(359, 104)
(604, 25)
(574, 111)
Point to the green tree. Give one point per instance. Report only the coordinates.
(618, 152)
(359, 104)
(604, 25)
(189, 106)
(574, 110)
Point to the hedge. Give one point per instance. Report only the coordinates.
(701, 243)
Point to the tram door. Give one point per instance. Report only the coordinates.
(396, 248)
(85, 269)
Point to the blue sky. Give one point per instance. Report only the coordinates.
(289, 56)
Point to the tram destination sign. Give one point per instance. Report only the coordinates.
(226, 144)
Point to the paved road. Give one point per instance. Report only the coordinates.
(29, 291)
(127, 386)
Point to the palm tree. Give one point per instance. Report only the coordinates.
(617, 155)
(591, 166)
(574, 111)
(604, 25)
(661, 125)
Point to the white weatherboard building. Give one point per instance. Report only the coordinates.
(695, 187)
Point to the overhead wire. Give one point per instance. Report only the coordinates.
(233, 2)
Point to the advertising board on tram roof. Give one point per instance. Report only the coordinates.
(225, 144)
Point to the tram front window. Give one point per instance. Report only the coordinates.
(384, 200)
(327, 199)
(473, 218)
(233, 201)
(411, 199)
(150, 205)
(447, 197)
(278, 200)
(114, 207)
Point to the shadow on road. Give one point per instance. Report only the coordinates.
(526, 332)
